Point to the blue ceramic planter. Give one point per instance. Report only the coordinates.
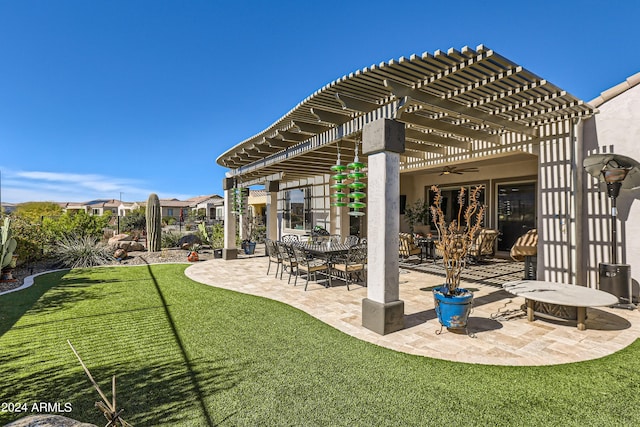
(250, 248)
(453, 310)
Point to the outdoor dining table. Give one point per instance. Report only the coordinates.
(427, 245)
(326, 250)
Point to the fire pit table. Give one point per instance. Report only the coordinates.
(561, 295)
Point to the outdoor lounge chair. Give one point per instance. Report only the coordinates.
(309, 265)
(354, 265)
(408, 247)
(483, 244)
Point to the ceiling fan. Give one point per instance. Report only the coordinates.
(448, 170)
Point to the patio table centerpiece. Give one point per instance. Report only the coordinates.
(453, 303)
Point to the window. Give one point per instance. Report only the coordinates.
(297, 208)
(95, 211)
(170, 212)
(450, 203)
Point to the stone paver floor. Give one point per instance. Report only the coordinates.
(499, 339)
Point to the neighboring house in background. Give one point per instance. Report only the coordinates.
(212, 205)
(125, 208)
(257, 202)
(7, 207)
(73, 207)
(100, 207)
(206, 205)
(172, 208)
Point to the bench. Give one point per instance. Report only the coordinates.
(560, 294)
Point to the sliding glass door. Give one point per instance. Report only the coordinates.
(516, 212)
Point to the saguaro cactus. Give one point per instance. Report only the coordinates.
(154, 223)
(7, 244)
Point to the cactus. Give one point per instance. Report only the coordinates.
(154, 223)
(7, 244)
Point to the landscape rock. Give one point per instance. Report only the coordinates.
(120, 238)
(128, 245)
(120, 254)
(44, 420)
(189, 240)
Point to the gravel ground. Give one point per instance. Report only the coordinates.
(134, 258)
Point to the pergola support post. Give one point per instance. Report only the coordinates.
(229, 251)
(382, 310)
(272, 188)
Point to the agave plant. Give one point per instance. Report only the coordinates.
(457, 236)
(78, 252)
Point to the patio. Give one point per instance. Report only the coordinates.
(497, 341)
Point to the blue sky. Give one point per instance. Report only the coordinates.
(103, 98)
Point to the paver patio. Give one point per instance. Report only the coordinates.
(497, 341)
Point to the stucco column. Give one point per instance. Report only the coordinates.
(382, 310)
(272, 188)
(230, 250)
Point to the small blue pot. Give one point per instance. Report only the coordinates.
(453, 310)
(250, 248)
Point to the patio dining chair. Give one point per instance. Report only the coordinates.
(288, 258)
(273, 254)
(290, 238)
(354, 265)
(335, 238)
(310, 266)
(351, 240)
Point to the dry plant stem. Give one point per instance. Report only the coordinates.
(457, 236)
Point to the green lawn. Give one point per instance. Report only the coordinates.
(190, 355)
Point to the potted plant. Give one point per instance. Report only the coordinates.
(418, 212)
(255, 231)
(214, 238)
(193, 253)
(453, 303)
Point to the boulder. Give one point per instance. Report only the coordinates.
(129, 246)
(44, 420)
(136, 246)
(120, 238)
(189, 240)
(120, 254)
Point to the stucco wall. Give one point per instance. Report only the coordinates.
(616, 129)
(414, 185)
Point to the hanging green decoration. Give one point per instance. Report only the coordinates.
(238, 200)
(340, 198)
(357, 186)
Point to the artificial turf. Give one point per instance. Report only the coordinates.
(186, 354)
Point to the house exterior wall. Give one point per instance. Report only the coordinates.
(320, 203)
(415, 186)
(615, 129)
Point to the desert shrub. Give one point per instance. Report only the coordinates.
(79, 224)
(212, 235)
(168, 220)
(85, 251)
(34, 211)
(135, 220)
(30, 239)
(170, 240)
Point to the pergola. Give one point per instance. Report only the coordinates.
(456, 104)
(409, 114)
